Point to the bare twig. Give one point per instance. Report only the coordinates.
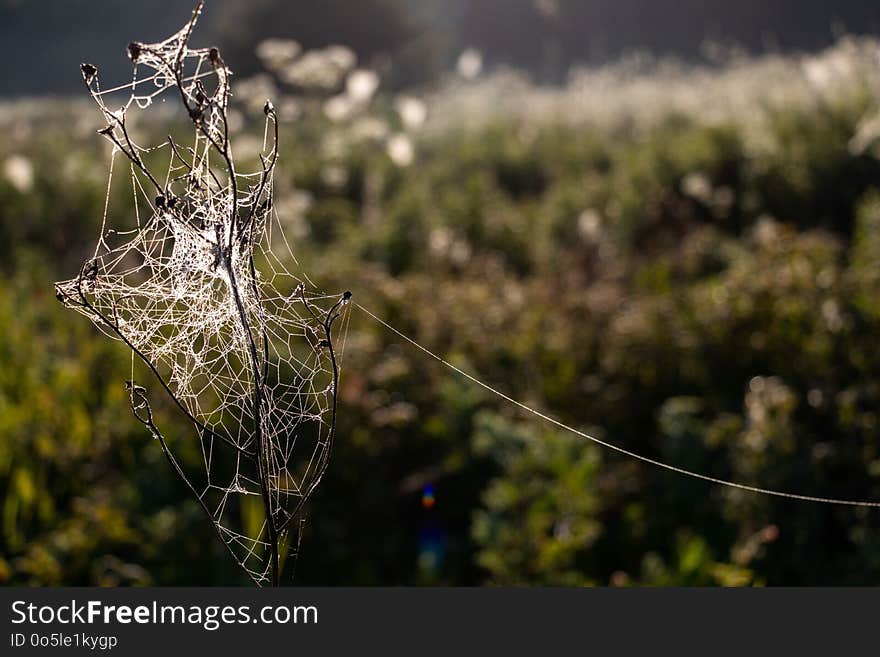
(203, 206)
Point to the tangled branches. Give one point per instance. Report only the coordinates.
(199, 290)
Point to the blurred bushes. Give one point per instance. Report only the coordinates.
(86, 496)
(688, 291)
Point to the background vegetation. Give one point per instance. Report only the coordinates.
(681, 261)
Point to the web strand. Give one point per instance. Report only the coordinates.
(645, 459)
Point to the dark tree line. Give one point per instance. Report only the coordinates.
(414, 40)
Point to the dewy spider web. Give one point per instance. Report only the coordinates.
(199, 289)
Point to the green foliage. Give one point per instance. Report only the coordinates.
(684, 292)
(539, 520)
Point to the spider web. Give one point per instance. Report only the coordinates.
(198, 284)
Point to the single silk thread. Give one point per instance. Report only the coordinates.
(611, 446)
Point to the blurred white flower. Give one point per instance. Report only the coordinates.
(769, 404)
(817, 71)
(867, 134)
(320, 69)
(766, 231)
(439, 240)
(275, 53)
(470, 64)
(19, 172)
(832, 315)
(589, 224)
(339, 108)
(361, 85)
(334, 175)
(311, 70)
(413, 112)
(400, 150)
(697, 186)
(340, 56)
